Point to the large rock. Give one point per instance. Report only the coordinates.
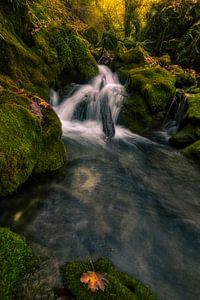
(27, 143)
(156, 85)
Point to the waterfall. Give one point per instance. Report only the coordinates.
(90, 111)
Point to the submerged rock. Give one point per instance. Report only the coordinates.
(120, 285)
(16, 258)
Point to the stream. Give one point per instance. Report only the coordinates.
(123, 196)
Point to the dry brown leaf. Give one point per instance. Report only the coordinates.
(94, 280)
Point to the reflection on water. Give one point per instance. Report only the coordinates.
(130, 200)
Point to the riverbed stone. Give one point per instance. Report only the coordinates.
(120, 285)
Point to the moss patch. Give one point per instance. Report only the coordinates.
(135, 56)
(121, 286)
(193, 112)
(53, 154)
(183, 78)
(185, 137)
(27, 145)
(193, 152)
(20, 141)
(15, 260)
(135, 113)
(155, 84)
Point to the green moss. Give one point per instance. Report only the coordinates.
(183, 78)
(185, 137)
(193, 152)
(193, 90)
(165, 60)
(19, 63)
(15, 260)
(26, 144)
(193, 112)
(134, 56)
(135, 113)
(53, 154)
(155, 84)
(121, 286)
(84, 62)
(91, 35)
(8, 97)
(20, 141)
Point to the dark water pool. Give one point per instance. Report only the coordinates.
(131, 200)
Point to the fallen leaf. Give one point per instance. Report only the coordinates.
(94, 280)
(43, 103)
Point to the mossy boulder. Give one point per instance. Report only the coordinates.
(155, 84)
(46, 50)
(91, 35)
(184, 78)
(165, 60)
(16, 258)
(193, 112)
(193, 152)
(189, 134)
(136, 56)
(135, 114)
(120, 286)
(186, 136)
(27, 144)
(65, 52)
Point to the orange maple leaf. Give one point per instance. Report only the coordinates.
(94, 280)
(43, 103)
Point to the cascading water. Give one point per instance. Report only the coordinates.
(91, 111)
(130, 199)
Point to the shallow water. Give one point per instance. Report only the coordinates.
(130, 199)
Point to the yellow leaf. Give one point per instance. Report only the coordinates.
(94, 280)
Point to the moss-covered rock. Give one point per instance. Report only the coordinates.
(136, 56)
(193, 152)
(183, 78)
(20, 141)
(193, 113)
(120, 286)
(53, 154)
(165, 60)
(16, 257)
(186, 136)
(155, 84)
(27, 144)
(91, 35)
(135, 113)
(189, 134)
(36, 57)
